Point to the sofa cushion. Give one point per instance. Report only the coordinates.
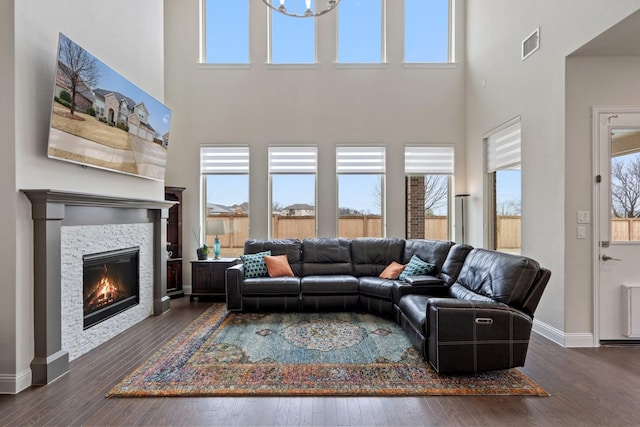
(292, 248)
(271, 286)
(254, 265)
(371, 255)
(417, 267)
(392, 271)
(499, 276)
(335, 284)
(432, 251)
(330, 256)
(376, 287)
(414, 307)
(278, 266)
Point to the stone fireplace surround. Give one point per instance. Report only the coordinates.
(54, 214)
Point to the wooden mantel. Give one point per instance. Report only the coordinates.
(52, 209)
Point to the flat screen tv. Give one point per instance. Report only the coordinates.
(101, 119)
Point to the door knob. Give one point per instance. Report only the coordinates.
(606, 257)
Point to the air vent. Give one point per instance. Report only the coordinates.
(531, 44)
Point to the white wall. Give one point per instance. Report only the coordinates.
(8, 303)
(591, 81)
(126, 35)
(325, 105)
(499, 87)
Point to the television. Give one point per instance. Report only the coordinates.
(100, 119)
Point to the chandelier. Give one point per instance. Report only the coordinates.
(308, 13)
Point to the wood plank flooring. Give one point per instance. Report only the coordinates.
(587, 386)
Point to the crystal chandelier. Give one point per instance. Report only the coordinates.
(308, 13)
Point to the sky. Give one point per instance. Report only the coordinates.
(359, 41)
(110, 79)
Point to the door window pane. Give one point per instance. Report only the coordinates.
(625, 185)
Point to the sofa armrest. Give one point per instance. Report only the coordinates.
(471, 336)
(234, 276)
(433, 287)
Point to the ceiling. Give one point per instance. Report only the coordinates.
(623, 39)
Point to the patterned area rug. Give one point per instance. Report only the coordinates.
(302, 354)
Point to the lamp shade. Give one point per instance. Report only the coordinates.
(216, 227)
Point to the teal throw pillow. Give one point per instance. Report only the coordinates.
(417, 267)
(254, 265)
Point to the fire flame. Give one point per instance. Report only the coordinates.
(104, 292)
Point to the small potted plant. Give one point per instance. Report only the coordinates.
(203, 249)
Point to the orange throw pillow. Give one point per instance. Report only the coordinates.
(392, 271)
(278, 266)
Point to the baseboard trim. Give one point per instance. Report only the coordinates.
(14, 384)
(570, 340)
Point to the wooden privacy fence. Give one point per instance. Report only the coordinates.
(625, 229)
(300, 227)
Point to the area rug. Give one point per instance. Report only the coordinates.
(302, 354)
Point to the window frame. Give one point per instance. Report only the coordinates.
(269, 61)
(380, 170)
(290, 148)
(493, 162)
(202, 35)
(383, 41)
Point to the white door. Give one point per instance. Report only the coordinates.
(617, 227)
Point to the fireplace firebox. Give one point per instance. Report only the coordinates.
(111, 284)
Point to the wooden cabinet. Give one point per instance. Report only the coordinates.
(174, 242)
(208, 277)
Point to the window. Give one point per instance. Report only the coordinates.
(426, 30)
(225, 177)
(360, 191)
(503, 167)
(226, 32)
(293, 41)
(360, 31)
(292, 172)
(428, 172)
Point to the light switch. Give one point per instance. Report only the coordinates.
(582, 232)
(584, 217)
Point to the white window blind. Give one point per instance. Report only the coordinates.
(424, 160)
(299, 160)
(224, 160)
(362, 160)
(503, 149)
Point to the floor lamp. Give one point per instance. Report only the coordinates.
(462, 197)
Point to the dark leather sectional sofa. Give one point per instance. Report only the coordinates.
(473, 313)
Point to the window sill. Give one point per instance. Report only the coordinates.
(424, 65)
(360, 66)
(314, 66)
(206, 66)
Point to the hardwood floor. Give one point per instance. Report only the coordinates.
(587, 386)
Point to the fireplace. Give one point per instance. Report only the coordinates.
(110, 283)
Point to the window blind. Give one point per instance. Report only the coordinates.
(365, 160)
(224, 160)
(426, 160)
(503, 149)
(300, 160)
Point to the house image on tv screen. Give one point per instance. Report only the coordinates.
(101, 119)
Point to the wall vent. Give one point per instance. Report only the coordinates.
(531, 44)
